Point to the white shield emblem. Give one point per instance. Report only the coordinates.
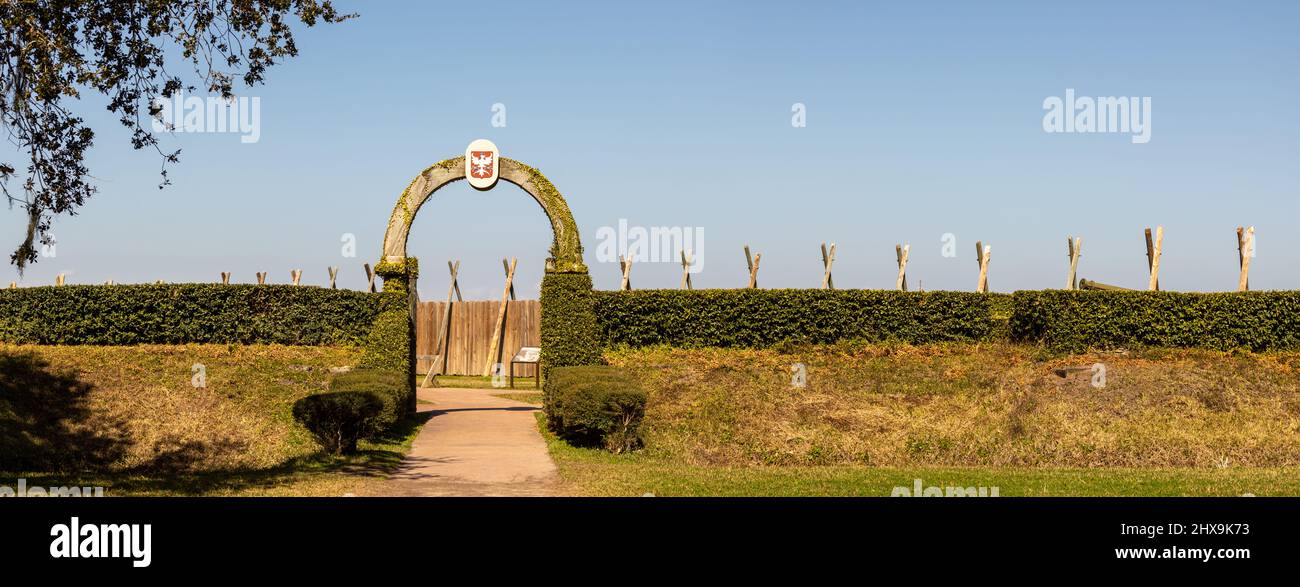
(482, 162)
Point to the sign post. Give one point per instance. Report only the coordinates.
(526, 355)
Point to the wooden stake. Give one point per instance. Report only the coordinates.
(625, 265)
(370, 277)
(440, 350)
(686, 270)
(901, 253)
(225, 278)
(1075, 245)
(58, 279)
(828, 259)
(1245, 248)
(752, 263)
(1153, 257)
(455, 282)
(1153, 283)
(982, 252)
(1094, 285)
(505, 266)
(495, 356)
(1241, 255)
(295, 275)
(334, 276)
(261, 278)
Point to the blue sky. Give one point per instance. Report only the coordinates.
(923, 118)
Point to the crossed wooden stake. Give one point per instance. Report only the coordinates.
(982, 252)
(752, 263)
(1153, 257)
(1075, 246)
(370, 277)
(625, 265)
(687, 261)
(509, 271)
(506, 295)
(901, 253)
(1245, 250)
(828, 259)
(444, 333)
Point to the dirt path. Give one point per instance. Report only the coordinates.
(474, 445)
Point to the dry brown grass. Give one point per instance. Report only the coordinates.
(134, 409)
(995, 405)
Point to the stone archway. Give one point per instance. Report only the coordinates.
(566, 247)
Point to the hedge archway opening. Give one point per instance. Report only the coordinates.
(569, 335)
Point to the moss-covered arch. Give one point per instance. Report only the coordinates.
(568, 331)
(566, 247)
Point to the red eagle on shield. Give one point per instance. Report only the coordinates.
(481, 164)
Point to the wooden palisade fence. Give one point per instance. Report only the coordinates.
(1154, 239)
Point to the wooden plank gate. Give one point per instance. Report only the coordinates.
(469, 343)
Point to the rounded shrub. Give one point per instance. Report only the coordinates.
(388, 387)
(339, 419)
(595, 406)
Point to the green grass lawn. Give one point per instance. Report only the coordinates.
(595, 472)
(534, 398)
(478, 382)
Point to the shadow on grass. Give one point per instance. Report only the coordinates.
(376, 458)
(46, 422)
(50, 435)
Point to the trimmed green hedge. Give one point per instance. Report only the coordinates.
(386, 345)
(568, 331)
(1067, 321)
(1075, 321)
(390, 348)
(189, 313)
(764, 317)
(594, 406)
